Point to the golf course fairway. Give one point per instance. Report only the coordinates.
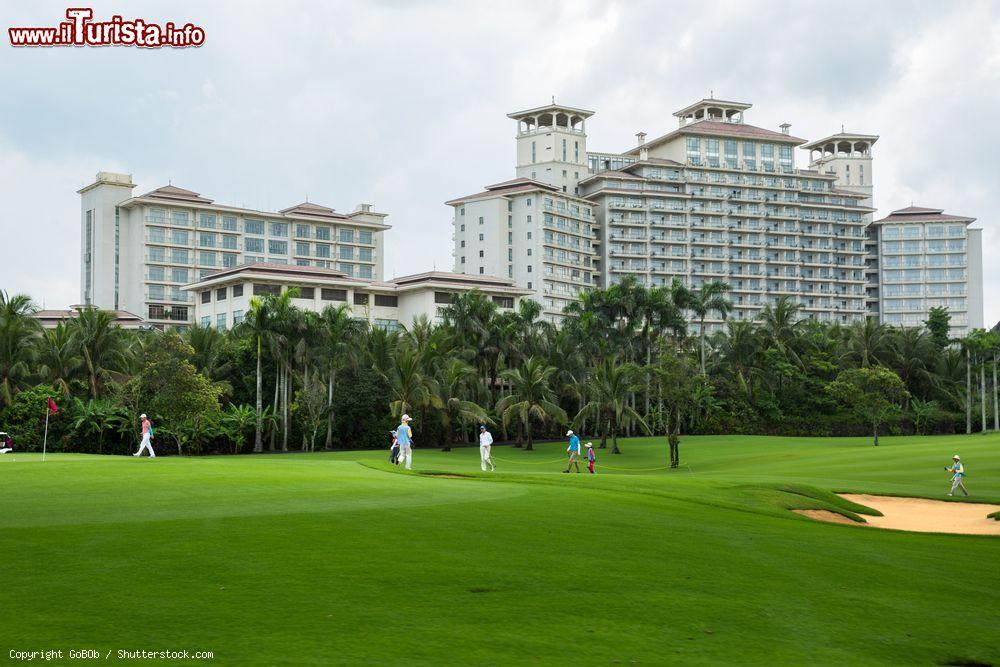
(341, 558)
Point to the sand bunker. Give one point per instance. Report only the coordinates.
(918, 514)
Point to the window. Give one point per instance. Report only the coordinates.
(529, 236)
(229, 223)
(237, 317)
(504, 301)
(365, 254)
(360, 299)
(365, 272)
(529, 218)
(206, 259)
(229, 242)
(365, 236)
(157, 215)
(301, 248)
(156, 291)
(527, 202)
(693, 148)
(179, 237)
(277, 247)
(442, 297)
(462, 227)
(529, 284)
(260, 289)
(179, 218)
(206, 321)
(220, 294)
(564, 153)
(220, 321)
(481, 270)
(347, 236)
(533, 155)
(510, 254)
(480, 253)
(179, 256)
(279, 229)
(207, 240)
(462, 244)
(253, 226)
(346, 252)
(388, 300)
(529, 268)
(576, 151)
(347, 269)
(331, 294)
(462, 260)
(206, 296)
(529, 252)
(229, 259)
(307, 293)
(323, 233)
(237, 290)
(322, 250)
(481, 237)
(253, 245)
(157, 273)
(206, 221)
(179, 275)
(301, 231)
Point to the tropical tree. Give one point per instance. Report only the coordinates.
(59, 358)
(453, 388)
(610, 386)
(531, 398)
(18, 329)
(102, 346)
(710, 297)
(938, 325)
(872, 393)
(94, 417)
(236, 421)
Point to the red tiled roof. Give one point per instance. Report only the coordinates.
(713, 127)
(507, 187)
(316, 210)
(921, 214)
(175, 193)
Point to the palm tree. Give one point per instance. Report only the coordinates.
(339, 335)
(258, 322)
(59, 357)
(531, 397)
(94, 417)
(710, 297)
(18, 329)
(453, 389)
(409, 386)
(101, 345)
(235, 422)
(868, 342)
(212, 356)
(609, 388)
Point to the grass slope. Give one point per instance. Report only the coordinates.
(338, 558)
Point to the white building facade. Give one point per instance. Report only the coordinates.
(222, 299)
(927, 258)
(138, 253)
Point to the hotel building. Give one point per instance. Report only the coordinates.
(139, 252)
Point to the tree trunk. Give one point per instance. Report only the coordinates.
(275, 406)
(875, 429)
(701, 333)
(996, 412)
(604, 434)
(258, 445)
(614, 436)
(527, 431)
(968, 393)
(329, 413)
(284, 408)
(982, 392)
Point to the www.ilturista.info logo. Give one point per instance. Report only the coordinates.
(80, 30)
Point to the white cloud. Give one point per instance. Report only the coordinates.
(403, 104)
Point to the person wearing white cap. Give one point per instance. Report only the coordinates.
(404, 438)
(147, 435)
(485, 445)
(958, 473)
(573, 450)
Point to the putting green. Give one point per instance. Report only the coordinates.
(340, 558)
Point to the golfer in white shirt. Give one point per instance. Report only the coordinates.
(485, 445)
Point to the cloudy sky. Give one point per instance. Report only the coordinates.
(403, 104)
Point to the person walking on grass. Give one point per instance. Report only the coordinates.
(147, 436)
(958, 474)
(404, 437)
(485, 446)
(573, 450)
(591, 458)
(393, 449)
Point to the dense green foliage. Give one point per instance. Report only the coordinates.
(623, 362)
(334, 558)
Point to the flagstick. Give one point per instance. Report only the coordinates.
(45, 440)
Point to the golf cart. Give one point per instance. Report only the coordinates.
(6, 443)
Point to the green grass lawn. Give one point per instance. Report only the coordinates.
(340, 558)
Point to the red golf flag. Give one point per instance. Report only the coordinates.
(53, 408)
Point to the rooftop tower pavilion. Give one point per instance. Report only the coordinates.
(848, 156)
(552, 145)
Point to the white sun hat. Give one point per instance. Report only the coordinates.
(569, 432)
(142, 416)
(406, 418)
(957, 457)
